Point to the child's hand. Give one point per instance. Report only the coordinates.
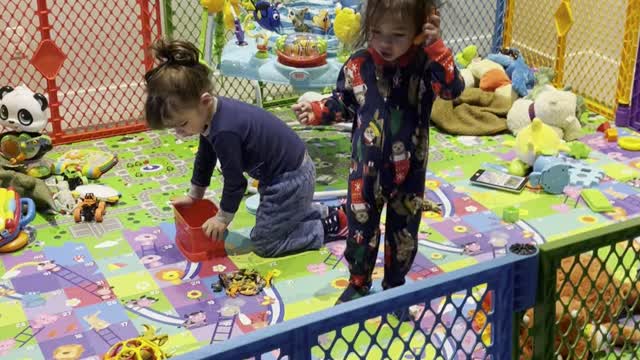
(431, 29)
(304, 113)
(183, 201)
(214, 228)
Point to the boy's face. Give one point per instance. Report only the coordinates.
(392, 38)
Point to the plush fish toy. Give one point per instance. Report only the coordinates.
(267, 15)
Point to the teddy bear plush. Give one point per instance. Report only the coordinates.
(590, 302)
(554, 107)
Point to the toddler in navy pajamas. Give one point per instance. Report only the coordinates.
(387, 91)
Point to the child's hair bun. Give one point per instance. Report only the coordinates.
(176, 52)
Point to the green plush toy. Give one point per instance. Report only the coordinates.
(28, 187)
(464, 58)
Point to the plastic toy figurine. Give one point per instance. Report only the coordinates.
(89, 209)
(24, 113)
(322, 21)
(13, 220)
(145, 347)
(297, 20)
(579, 150)
(551, 174)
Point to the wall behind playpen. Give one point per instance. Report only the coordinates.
(595, 57)
(100, 50)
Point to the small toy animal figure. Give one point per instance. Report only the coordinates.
(24, 113)
(297, 19)
(267, 15)
(322, 21)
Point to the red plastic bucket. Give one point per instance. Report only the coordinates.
(194, 244)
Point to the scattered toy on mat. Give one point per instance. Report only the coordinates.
(551, 174)
(604, 126)
(630, 143)
(553, 107)
(15, 214)
(24, 113)
(89, 209)
(579, 150)
(90, 163)
(101, 192)
(586, 280)
(245, 282)
(145, 347)
(611, 134)
(534, 140)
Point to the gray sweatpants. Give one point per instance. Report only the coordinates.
(287, 220)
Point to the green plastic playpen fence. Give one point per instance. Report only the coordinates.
(588, 304)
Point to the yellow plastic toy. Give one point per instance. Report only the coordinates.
(631, 143)
(532, 141)
(346, 26)
(145, 347)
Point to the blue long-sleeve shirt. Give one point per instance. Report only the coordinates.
(247, 139)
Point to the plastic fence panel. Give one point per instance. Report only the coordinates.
(534, 31)
(184, 19)
(98, 55)
(468, 314)
(594, 54)
(594, 45)
(19, 37)
(524, 337)
(589, 297)
(459, 326)
(100, 84)
(634, 112)
(471, 23)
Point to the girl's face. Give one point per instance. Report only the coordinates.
(194, 120)
(392, 38)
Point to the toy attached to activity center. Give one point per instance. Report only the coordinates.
(15, 214)
(191, 240)
(301, 50)
(300, 43)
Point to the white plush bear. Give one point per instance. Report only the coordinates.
(554, 107)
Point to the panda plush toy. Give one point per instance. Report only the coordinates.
(23, 117)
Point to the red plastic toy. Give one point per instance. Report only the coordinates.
(194, 244)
